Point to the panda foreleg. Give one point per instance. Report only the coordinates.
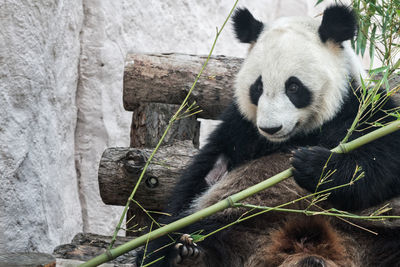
(379, 162)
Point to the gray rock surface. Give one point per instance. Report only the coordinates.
(39, 55)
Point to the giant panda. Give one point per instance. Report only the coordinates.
(296, 90)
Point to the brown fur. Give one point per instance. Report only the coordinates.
(309, 236)
(254, 172)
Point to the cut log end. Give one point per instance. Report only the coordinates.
(120, 169)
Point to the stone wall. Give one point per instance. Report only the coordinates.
(61, 67)
(39, 59)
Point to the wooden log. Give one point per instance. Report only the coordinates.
(149, 121)
(393, 82)
(27, 259)
(120, 168)
(166, 78)
(85, 246)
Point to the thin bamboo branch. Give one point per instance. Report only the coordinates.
(325, 213)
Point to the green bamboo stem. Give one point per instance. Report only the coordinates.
(230, 201)
(390, 128)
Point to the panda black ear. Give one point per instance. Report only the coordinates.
(247, 28)
(339, 24)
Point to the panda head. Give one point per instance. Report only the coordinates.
(296, 75)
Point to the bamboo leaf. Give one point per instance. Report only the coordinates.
(363, 38)
(372, 45)
(197, 237)
(378, 70)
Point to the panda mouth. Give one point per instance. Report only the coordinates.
(282, 137)
(276, 138)
(279, 138)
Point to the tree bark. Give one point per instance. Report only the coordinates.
(120, 169)
(149, 121)
(85, 246)
(166, 78)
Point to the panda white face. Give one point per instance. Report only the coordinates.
(292, 82)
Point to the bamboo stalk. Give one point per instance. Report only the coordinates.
(390, 128)
(230, 201)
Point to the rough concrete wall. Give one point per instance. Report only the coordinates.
(39, 53)
(101, 119)
(114, 28)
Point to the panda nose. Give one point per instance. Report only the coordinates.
(271, 130)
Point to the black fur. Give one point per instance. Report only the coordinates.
(246, 27)
(256, 90)
(300, 98)
(386, 249)
(338, 24)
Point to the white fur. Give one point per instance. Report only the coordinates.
(292, 47)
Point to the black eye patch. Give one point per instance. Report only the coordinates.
(256, 90)
(297, 92)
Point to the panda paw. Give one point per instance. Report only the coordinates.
(185, 249)
(308, 164)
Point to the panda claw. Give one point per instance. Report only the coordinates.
(184, 251)
(196, 252)
(178, 245)
(186, 238)
(178, 260)
(185, 248)
(191, 251)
